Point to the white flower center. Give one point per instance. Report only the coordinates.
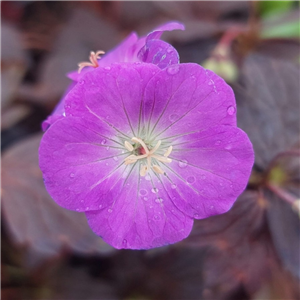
(147, 155)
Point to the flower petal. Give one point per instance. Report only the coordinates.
(159, 53)
(170, 26)
(209, 170)
(139, 219)
(106, 96)
(75, 156)
(194, 99)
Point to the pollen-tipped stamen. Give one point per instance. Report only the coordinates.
(149, 154)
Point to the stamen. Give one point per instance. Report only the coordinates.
(168, 152)
(128, 146)
(149, 155)
(144, 170)
(157, 169)
(93, 60)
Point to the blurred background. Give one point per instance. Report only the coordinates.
(251, 252)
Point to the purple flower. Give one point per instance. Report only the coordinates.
(144, 151)
(149, 49)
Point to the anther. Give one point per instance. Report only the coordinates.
(93, 60)
(128, 146)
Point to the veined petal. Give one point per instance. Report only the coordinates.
(159, 53)
(194, 99)
(139, 218)
(210, 169)
(112, 97)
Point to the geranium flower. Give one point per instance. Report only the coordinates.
(144, 151)
(149, 49)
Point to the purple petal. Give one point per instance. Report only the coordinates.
(106, 96)
(210, 169)
(140, 219)
(170, 26)
(159, 53)
(194, 99)
(76, 156)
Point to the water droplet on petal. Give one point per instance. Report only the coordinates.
(158, 200)
(107, 148)
(109, 210)
(217, 143)
(172, 70)
(87, 208)
(103, 142)
(231, 110)
(143, 192)
(212, 207)
(124, 242)
(228, 147)
(107, 68)
(81, 82)
(145, 199)
(210, 82)
(77, 209)
(191, 179)
(182, 163)
(115, 158)
(156, 218)
(100, 206)
(72, 175)
(203, 177)
(173, 117)
(148, 177)
(196, 216)
(154, 190)
(173, 186)
(169, 50)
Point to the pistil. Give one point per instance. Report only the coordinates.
(149, 155)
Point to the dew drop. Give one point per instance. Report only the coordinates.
(172, 70)
(107, 68)
(107, 148)
(196, 216)
(103, 142)
(124, 242)
(212, 207)
(173, 186)
(169, 50)
(81, 82)
(145, 199)
(72, 175)
(217, 143)
(148, 177)
(154, 190)
(231, 110)
(87, 208)
(210, 82)
(173, 117)
(100, 206)
(81, 201)
(182, 163)
(228, 147)
(106, 164)
(156, 218)
(109, 210)
(115, 158)
(77, 209)
(191, 179)
(158, 200)
(203, 177)
(143, 192)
